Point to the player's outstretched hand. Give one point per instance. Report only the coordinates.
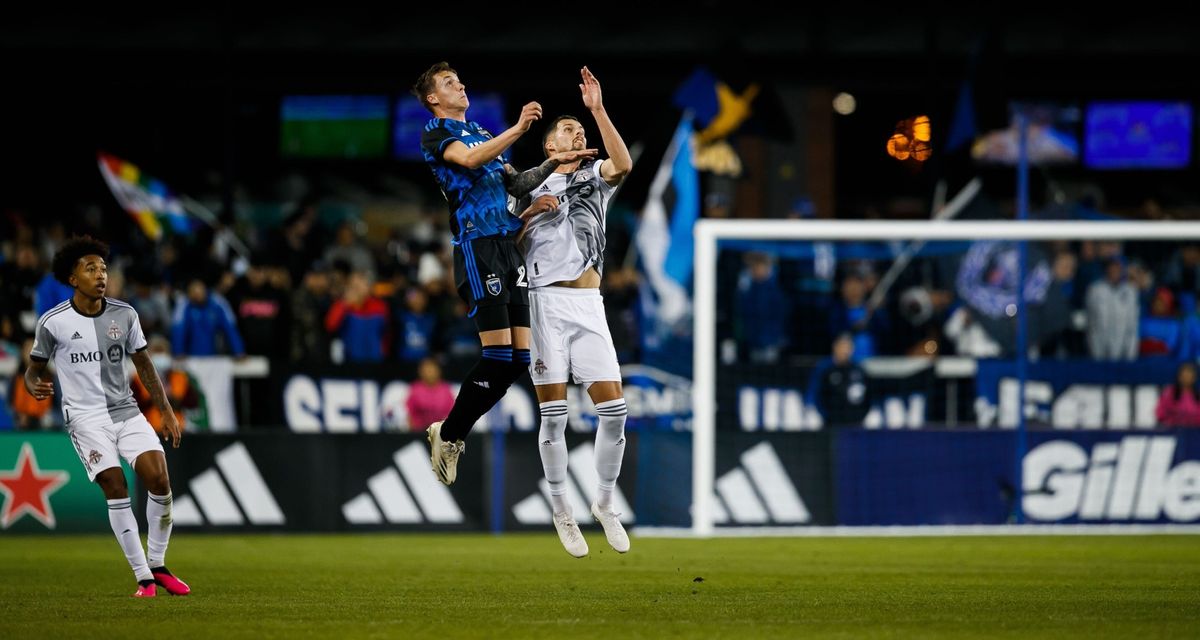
(530, 113)
(171, 428)
(574, 155)
(590, 88)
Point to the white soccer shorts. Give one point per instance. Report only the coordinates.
(570, 337)
(102, 447)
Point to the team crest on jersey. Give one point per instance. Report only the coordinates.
(583, 176)
(94, 456)
(114, 331)
(493, 286)
(539, 367)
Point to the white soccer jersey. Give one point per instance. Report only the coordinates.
(560, 246)
(89, 357)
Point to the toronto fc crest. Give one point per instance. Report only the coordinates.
(114, 331)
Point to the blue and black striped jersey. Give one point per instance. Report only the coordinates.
(478, 201)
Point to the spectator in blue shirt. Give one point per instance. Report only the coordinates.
(49, 293)
(850, 315)
(414, 327)
(1160, 332)
(199, 319)
(361, 321)
(761, 312)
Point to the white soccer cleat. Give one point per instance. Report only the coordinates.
(444, 455)
(613, 529)
(569, 534)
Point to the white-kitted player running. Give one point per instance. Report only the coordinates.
(564, 260)
(89, 337)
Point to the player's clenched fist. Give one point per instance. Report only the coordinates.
(530, 113)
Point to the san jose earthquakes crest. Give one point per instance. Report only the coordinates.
(493, 285)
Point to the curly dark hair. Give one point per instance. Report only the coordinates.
(425, 84)
(70, 253)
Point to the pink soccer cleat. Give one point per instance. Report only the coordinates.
(168, 581)
(146, 589)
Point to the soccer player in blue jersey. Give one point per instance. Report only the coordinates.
(468, 164)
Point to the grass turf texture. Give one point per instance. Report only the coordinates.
(461, 586)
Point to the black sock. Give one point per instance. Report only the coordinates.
(483, 387)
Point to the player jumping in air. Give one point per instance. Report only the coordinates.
(564, 257)
(467, 162)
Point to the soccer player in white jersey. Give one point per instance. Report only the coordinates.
(88, 337)
(564, 259)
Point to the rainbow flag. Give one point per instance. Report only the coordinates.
(148, 200)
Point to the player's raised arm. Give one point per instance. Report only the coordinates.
(619, 161)
(475, 157)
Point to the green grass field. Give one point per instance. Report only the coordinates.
(478, 586)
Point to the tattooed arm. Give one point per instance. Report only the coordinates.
(520, 183)
(149, 377)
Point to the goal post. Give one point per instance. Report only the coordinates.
(709, 233)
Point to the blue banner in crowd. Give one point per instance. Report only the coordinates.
(1073, 394)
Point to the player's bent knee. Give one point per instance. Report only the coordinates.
(112, 482)
(159, 485)
(605, 391)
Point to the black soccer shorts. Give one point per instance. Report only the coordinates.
(490, 276)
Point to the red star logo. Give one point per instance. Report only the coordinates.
(27, 490)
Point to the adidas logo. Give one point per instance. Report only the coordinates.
(389, 495)
(758, 492)
(213, 502)
(544, 188)
(483, 383)
(77, 336)
(582, 464)
(465, 133)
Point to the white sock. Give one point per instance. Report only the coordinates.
(552, 445)
(125, 527)
(158, 520)
(610, 449)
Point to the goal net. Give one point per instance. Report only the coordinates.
(852, 373)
